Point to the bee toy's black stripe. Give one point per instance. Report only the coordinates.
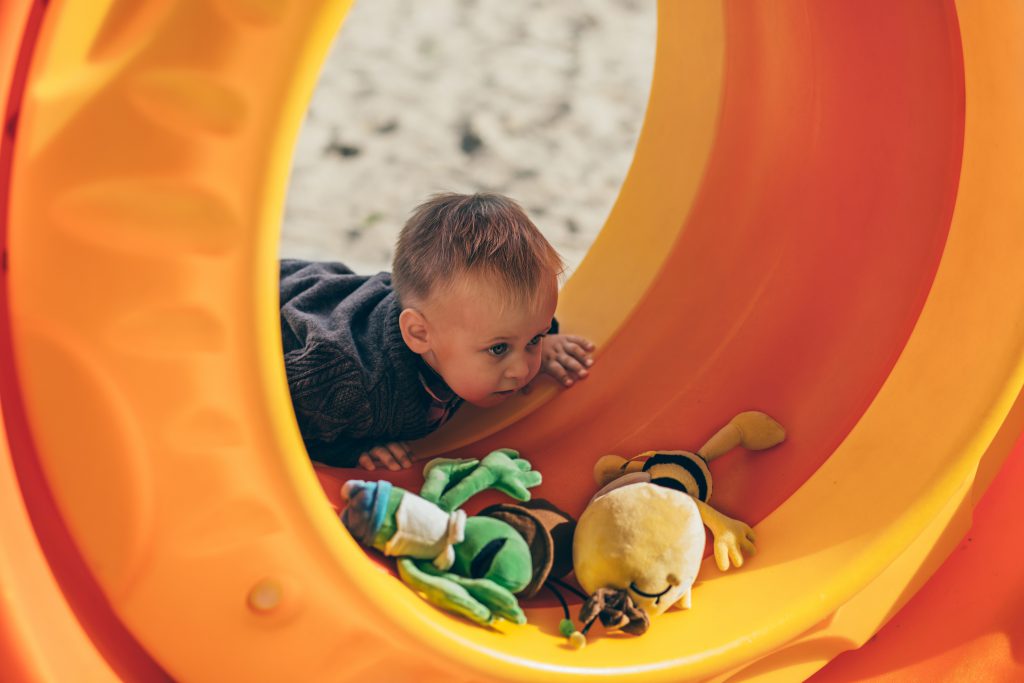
(673, 458)
(670, 483)
(687, 463)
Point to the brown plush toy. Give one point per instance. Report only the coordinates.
(640, 541)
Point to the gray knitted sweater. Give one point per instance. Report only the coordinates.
(354, 383)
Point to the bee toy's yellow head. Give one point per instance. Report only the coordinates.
(640, 541)
(645, 539)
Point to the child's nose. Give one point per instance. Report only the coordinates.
(517, 369)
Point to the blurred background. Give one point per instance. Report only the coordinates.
(542, 101)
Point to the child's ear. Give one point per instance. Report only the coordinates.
(414, 330)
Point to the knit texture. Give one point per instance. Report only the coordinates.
(354, 383)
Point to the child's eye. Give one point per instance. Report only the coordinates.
(536, 340)
(498, 349)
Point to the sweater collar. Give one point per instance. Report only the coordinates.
(435, 384)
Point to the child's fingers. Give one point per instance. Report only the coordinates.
(579, 352)
(383, 456)
(394, 456)
(573, 366)
(555, 369)
(401, 455)
(580, 341)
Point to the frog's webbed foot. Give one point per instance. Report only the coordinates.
(479, 600)
(440, 474)
(503, 470)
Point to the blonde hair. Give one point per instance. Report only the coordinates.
(485, 233)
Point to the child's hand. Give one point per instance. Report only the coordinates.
(566, 357)
(394, 456)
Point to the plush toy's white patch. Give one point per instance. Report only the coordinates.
(644, 538)
(425, 530)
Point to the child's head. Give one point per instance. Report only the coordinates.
(478, 284)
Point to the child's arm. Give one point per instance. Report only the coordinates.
(394, 456)
(566, 357)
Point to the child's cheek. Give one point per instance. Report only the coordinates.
(535, 365)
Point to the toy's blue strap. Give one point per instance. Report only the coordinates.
(380, 509)
(364, 515)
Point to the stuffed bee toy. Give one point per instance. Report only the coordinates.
(640, 542)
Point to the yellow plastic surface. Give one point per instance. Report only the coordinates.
(147, 186)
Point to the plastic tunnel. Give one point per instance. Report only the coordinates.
(822, 221)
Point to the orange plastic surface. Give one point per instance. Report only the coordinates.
(55, 622)
(966, 623)
(821, 221)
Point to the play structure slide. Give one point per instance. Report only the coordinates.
(822, 221)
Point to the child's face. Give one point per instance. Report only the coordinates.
(484, 346)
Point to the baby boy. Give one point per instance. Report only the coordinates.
(466, 315)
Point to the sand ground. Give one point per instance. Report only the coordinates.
(542, 101)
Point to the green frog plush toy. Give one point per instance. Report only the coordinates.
(471, 566)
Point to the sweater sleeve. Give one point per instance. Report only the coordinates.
(353, 381)
(331, 404)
